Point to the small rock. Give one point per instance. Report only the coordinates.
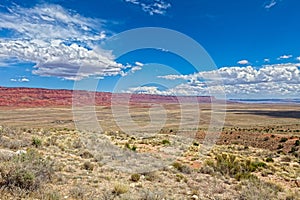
(132, 184)
(19, 152)
(195, 197)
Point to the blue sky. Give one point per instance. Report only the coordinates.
(254, 45)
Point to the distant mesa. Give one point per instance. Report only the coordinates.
(38, 97)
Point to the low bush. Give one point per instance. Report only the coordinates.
(255, 189)
(120, 188)
(150, 176)
(88, 166)
(153, 195)
(293, 149)
(196, 144)
(135, 177)
(28, 172)
(166, 142)
(280, 146)
(133, 148)
(284, 139)
(36, 142)
(182, 168)
(232, 166)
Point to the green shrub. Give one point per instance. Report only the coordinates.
(196, 144)
(26, 171)
(78, 192)
(135, 177)
(283, 139)
(120, 188)
(293, 149)
(88, 166)
(231, 165)
(166, 142)
(133, 148)
(258, 164)
(127, 145)
(150, 176)
(36, 142)
(52, 195)
(153, 195)
(255, 189)
(269, 159)
(297, 143)
(280, 146)
(86, 154)
(182, 168)
(242, 176)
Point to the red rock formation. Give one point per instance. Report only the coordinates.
(36, 97)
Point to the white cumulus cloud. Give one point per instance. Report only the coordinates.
(288, 72)
(58, 41)
(147, 90)
(61, 60)
(139, 64)
(23, 79)
(278, 80)
(47, 22)
(284, 57)
(243, 62)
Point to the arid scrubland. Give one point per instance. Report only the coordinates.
(50, 159)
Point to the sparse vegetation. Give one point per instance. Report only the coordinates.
(182, 168)
(88, 166)
(280, 146)
(283, 139)
(128, 146)
(28, 172)
(196, 144)
(78, 192)
(135, 177)
(233, 166)
(150, 176)
(36, 142)
(86, 154)
(120, 188)
(255, 189)
(133, 148)
(166, 142)
(266, 138)
(152, 195)
(80, 171)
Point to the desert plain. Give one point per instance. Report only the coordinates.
(47, 150)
